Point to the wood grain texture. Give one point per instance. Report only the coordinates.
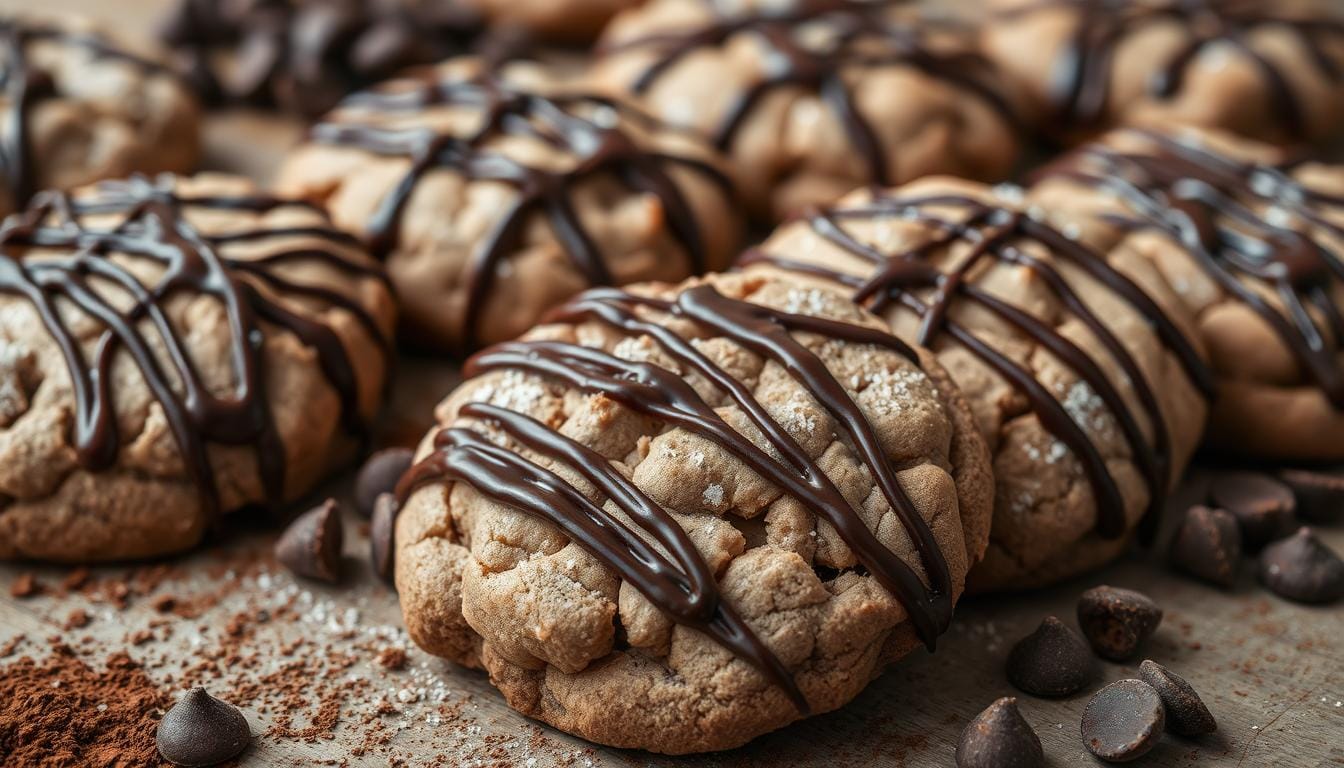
(1271, 672)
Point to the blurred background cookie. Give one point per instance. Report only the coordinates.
(811, 98)
(494, 196)
(77, 107)
(172, 350)
(1086, 389)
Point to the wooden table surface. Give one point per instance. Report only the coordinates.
(1271, 672)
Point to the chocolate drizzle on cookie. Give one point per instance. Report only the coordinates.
(584, 126)
(673, 575)
(855, 36)
(65, 268)
(1236, 219)
(25, 85)
(909, 279)
(1081, 86)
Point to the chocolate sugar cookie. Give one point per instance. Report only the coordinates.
(675, 518)
(77, 108)
(1251, 241)
(1077, 363)
(171, 350)
(1270, 71)
(494, 197)
(811, 98)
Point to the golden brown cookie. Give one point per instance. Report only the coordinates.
(494, 197)
(1267, 70)
(172, 350)
(678, 517)
(811, 98)
(1251, 241)
(77, 108)
(568, 21)
(1075, 362)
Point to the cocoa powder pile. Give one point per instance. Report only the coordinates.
(61, 712)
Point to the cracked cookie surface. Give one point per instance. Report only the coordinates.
(669, 516)
(1078, 367)
(172, 350)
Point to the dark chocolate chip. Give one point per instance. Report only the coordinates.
(1262, 505)
(1208, 546)
(1000, 737)
(201, 730)
(381, 534)
(311, 545)
(1186, 713)
(1116, 620)
(1052, 661)
(1303, 569)
(380, 475)
(1320, 493)
(1123, 721)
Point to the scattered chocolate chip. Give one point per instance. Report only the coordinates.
(1116, 620)
(379, 475)
(1320, 493)
(1303, 569)
(381, 530)
(1186, 713)
(1263, 506)
(1208, 546)
(201, 730)
(25, 585)
(311, 545)
(1052, 661)
(1123, 721)
(1000, 737)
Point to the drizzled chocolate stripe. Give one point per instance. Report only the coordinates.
(24, 86)
(1081, 83)
(153, 228)
(676, 578)
(908, 278)
(859, 38)
(1218, 209)
(559, 121)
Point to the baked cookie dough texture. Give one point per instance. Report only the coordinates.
(492, 198)
(171, 350)
(678, 517)
(1251, 243)
(77, 108)
(1265, 70)
(812, 98)
(1076, 362)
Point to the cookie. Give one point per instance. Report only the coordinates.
(1077, 364)
(492, 197)
(561, 21)
(79, 108)
(678, 517)
(811, 98)
(171, 350)
(1252, 243)
(1268, 71)
(303, 56)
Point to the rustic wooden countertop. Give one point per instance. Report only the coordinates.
(1271, 672)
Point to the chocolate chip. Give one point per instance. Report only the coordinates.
(1208, 546)
(1116, 620)
(1303, 569)
(1123, 721)
(1186, 713)
(380, 475)
(1262, 505)
(311, 545)
(1000, 737)
(202, 730)
(1320, 493)
(381, 531)
(1052, 661)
